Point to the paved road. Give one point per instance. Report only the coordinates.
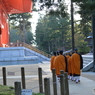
(13, 72)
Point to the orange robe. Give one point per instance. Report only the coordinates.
(52, 62)
(67, 58)
(59, 64)
(76, 63)
(70, 66)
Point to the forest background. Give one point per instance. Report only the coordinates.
(53, 29)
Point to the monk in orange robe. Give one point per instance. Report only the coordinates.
(52, 61)
(69, 61)
(77, 65)
(60, 63)
(66, 63)
(68, 55)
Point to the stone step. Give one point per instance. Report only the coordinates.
(87, 62)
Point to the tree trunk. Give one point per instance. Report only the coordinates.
(49, 47)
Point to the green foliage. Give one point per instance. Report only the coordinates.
(37, 94)
(81, 43)
(29, 37)
(9, 90)
(53, 33)
(6, 90)
(52, 7)
(86, 9)
(14, 36)
(86, 6)
(60, 11)
(21, 22)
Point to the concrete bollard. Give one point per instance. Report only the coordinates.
(62, 84)
(40, 80)
(54, 81)
(66, 84)
(4, 76)
(17, 88)
(47, 86)
(23, 78)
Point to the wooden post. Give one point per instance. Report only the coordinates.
(66, 84)
(17, 88)
(23, 78)
(54, 81)
(40, 80)
(47, 86)
(62, 84)
(4, 76)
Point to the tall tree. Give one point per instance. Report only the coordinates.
(52, 7)
(14, 36)
(52, 33)
(22, 23)
(84, 26)
(86, 10)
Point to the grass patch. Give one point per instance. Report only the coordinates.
(6, 90)
(37, 94)
(9, 90)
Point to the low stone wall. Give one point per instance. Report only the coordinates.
(20, 55)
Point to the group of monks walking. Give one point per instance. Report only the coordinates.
(72, 63)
